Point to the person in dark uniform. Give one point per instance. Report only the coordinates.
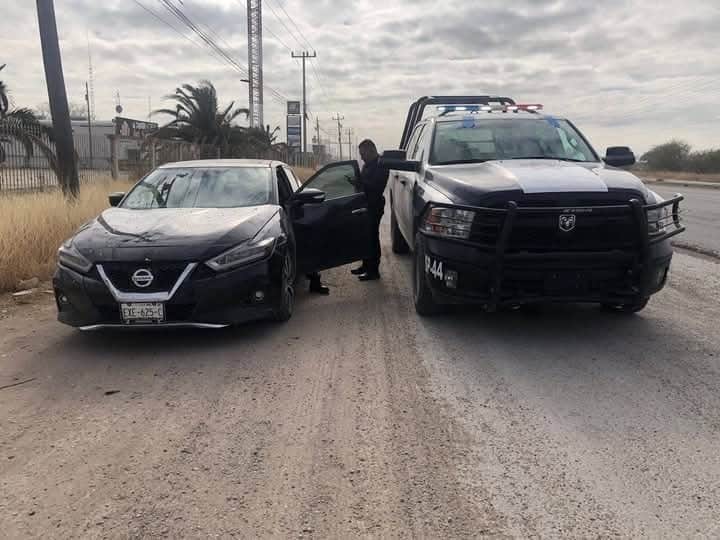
(316, 284)
(373, 180)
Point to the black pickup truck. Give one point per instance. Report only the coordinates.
(504, 205)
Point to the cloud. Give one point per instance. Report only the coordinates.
(624, 68)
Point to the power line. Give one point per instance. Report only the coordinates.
(208, 39)
(267, 29)
(307, 43)
(289, 30)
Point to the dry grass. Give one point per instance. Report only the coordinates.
(32, 227)
(303, 173)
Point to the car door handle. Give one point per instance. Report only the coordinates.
(403, 182)
(360, 211)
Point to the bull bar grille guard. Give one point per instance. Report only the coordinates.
(635, 207)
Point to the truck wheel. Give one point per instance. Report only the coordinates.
(425, 304)
(633, 307)
(399, 245)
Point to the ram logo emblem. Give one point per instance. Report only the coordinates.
(567, 222)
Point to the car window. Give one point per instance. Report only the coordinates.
(475, 139)
(294, 182)
(336, 181)
(285, 191)
(195, 187)
(419, 153)
(412, 145)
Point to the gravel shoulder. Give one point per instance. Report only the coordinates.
(358, 419)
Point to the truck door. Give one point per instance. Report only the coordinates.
(408, 180)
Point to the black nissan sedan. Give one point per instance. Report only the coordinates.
(209, 244)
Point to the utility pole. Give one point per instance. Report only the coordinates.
(89, 120)
(304, 55)
(57, 96)
(350, 144)
(340, 143)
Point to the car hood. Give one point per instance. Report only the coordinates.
(169, 233)
(527, 179)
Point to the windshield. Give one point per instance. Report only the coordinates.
(477, 139)
(211, 187)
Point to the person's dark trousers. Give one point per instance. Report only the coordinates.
(375, 214)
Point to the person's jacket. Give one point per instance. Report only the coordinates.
(373, 180)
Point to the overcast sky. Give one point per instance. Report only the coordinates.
(636, 72)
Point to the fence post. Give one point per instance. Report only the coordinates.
(153, 156)
(114, 157)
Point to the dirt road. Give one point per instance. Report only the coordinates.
(358, 419)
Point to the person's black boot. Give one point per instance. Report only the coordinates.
(370, 276)
(360, 270)
(317, 287)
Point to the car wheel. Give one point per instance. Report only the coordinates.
(425, 304)
(399, 245)
(633, 307)
(285, 307)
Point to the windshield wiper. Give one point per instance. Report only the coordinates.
(554, 158)
(460, 161)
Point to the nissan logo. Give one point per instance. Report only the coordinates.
(142, 278)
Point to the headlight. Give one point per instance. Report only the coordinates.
(660, 218)
(69, 256)
(257, 248)
(449, 222)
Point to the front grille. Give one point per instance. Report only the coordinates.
(165, 275)
(538, 231)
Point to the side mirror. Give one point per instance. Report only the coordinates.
(619, 156)
(308, 196)
(115, 198)
(396, 160)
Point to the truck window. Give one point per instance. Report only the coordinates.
(478, 139)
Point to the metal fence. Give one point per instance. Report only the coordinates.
(24, 166)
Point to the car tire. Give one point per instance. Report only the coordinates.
(425, 304)
(633, 307)
(397, 241)
(284, 310)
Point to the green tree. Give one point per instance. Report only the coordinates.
(671, 156)
(197, 117)
(22, 125)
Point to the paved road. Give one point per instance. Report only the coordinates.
(358, 419)
(702, 215)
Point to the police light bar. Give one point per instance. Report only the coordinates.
(529, 107)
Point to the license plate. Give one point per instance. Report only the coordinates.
(145, 312)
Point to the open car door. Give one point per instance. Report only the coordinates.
(330, 218)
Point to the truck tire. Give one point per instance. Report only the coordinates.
(634, 307)
(425, 304)
(399, 245)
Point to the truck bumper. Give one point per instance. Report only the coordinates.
(457, 273)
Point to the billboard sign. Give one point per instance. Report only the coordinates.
(293, 107)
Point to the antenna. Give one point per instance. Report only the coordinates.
(91, 81)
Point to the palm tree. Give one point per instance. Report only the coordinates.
(23, 126)
(198, 119)
(261, 142)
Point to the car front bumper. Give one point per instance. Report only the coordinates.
(204, 299)
(457, 273)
